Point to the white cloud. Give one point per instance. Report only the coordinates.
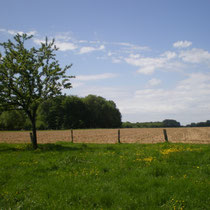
(63, 46)
(195, 56)
(182, 44)
(38, 41)
(132, 46)
(135, 56)
(83, 41)
(32, 33)
(110, 53)
(14, 32)
(63, 36)
(110, 93)
(95, 77)
(154, 82)
(2, 30)
(116, 60)
(195, 81)
(191, 95)
(169, 55)
(148, 65)
(89, 49)
(77, 84)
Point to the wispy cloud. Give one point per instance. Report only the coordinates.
(95, 77)
(14, 32)
(109, 93)
(88, 49)
(154, 82)
(169, 60)
(195, 56)
(182, 44)
(190, 95)
(132, 46)
(147, 65)
(63, 46)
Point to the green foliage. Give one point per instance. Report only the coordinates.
(200, 124)
(142, 125)
(125, 176)
(12, 120)
(170, 123)
(75, 112)
(102, 113)
(164, 123)
(67, 112)
(29, 76)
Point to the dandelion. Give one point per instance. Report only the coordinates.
(148, 159)
(167, 151)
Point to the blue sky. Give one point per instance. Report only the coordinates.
(151, 57)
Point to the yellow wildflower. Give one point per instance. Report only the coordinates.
(148, 159)
(167, 151)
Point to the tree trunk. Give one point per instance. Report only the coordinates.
(32, 117)
(34, 142)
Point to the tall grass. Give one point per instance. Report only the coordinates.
(123, 176)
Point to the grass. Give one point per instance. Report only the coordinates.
(121, 176)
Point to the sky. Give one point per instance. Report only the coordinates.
(151, 57)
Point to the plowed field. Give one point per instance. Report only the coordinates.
(130, 135)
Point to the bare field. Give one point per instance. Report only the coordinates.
(128, 135)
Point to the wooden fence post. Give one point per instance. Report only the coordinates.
(165, 135)
(119, 136)
(72, 136)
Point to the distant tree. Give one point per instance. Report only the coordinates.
(142, 125)
(102, 113)
(66, 112)
(127, 124)
(51, 113)
(75, 112)
(170, 123)
(30, 76)
(208, 123)
(12, 120)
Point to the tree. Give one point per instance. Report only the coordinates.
(30, 76)
(51, 113)
(102, 113)
(171, 123)
(76, 112)
(7, 121)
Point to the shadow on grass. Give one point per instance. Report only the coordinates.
(60, 147)
(41, 147)
(57, 147)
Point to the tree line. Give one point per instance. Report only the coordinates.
(73, 112)
(66, 112)
(199, 124)
(164, 123)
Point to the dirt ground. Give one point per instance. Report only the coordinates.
(128, 135)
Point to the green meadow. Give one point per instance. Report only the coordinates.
(94, 176)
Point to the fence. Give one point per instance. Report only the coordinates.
(131, 135)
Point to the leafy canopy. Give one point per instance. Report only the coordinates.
(29, 76)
